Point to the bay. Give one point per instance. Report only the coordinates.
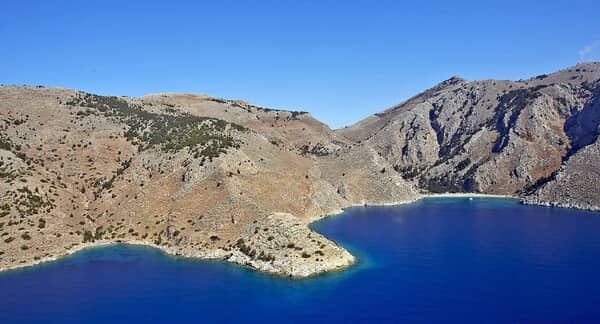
(436, 260)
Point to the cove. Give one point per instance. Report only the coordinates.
(436, 260)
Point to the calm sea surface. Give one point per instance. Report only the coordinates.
(437, 260)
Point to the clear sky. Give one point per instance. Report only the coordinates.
(340, 60)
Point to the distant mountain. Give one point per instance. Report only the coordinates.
(206, 177)
(535, 138)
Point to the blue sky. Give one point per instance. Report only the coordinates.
(340, 60)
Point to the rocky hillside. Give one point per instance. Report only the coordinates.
(207, 177)
(193, 175)
(535, 138)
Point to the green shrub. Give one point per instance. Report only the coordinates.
(99, 233)
(88, 237)
(318, 150)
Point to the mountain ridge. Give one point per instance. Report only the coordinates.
(504, 102)
(201, 176)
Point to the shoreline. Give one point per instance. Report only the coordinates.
(425, 196)
(76, 249)
(222, 255)
(468, 195)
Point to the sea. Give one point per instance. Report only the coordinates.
(438, 260)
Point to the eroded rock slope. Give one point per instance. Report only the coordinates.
(534, 138)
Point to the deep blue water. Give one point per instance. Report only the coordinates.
(437, 260)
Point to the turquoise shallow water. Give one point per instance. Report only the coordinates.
(437, 260)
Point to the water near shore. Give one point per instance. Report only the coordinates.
(436, 260)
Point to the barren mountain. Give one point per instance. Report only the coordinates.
(207, 177)
(190, 174)
(535, 138)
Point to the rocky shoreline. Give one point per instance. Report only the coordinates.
(537, 202)
(307, 268)
(303, 269)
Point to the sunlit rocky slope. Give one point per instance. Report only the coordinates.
(206, 177)
(193, 175)
(535, 138)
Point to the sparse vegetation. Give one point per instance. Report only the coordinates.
(318, 150)
(206, 137)
(29, 202)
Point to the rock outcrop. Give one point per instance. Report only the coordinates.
(280, 243)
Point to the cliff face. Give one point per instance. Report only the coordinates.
(192, 175)
(206, 177)
(535, 138)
